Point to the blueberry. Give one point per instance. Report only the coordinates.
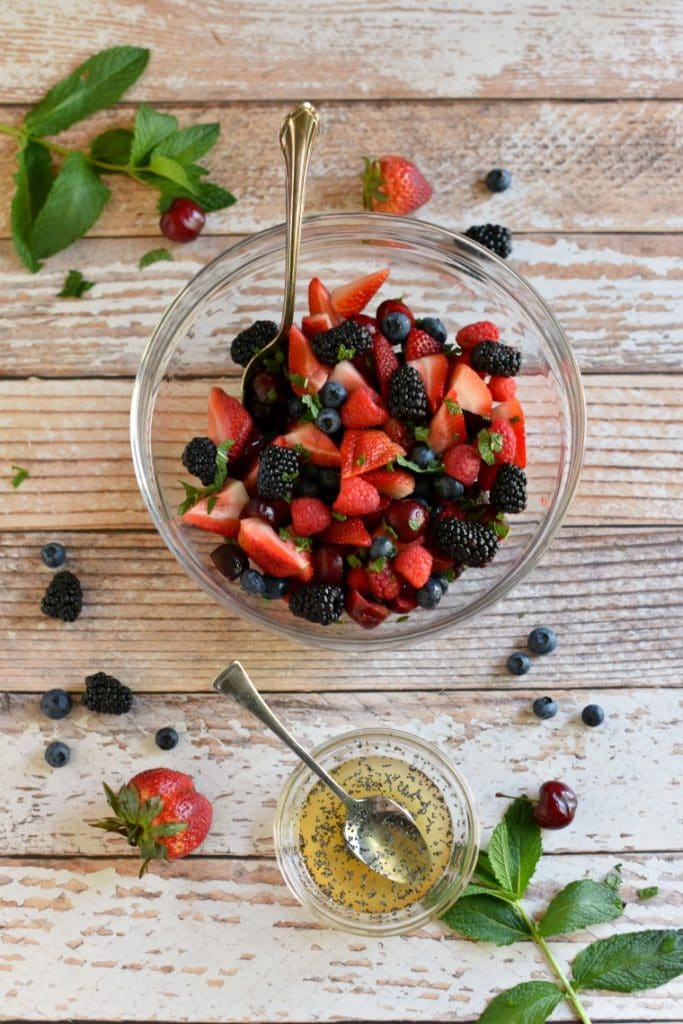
(307, 488)
(53, 555)
(166, 738)
(498, 180)
(422, 456)
(432, 325)
(57, 754)
(296, 408)
(429, 595)
(519, 663)
(274, 588)
(56, 703)
(442, 579)
(382, 547)
(328, 420)
(253, 582)
(448, 489)
(542, 640)
(592, 715)
(332, 394)
(395, 327)
(544, 707)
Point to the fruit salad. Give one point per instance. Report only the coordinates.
(379, 458)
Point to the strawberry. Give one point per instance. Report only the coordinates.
(473, 395)
(433, 370)
(161, 813)
(363, 408)
(349, 533)
(305, 574)
(309, 516)
(228, 420)
(398, 432)
(482, 330)
(512, 412)
(448, 425)
(320, 301)
(393, 184)
(414, 565)
(306, 374)
(419, 344)
(351, 298)
(395, 483)
(271, 553)
(368, 614)
(356, 497)
(315, 324)
(462, 463)
(365, 450)
(313, 444)
(502, 388)
(226, 505)
(346, 373)
(386, 361)
(383, 584)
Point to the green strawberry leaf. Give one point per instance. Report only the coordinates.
(150, 128)
(515, 848)
(532, 1002)
(579, 905)
(33, 179)
(72, 206)
(631, 962)
(487, 919)
(113, 146)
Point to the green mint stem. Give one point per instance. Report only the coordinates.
(54, 147)
(570, 994)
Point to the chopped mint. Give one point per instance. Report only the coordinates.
(378, 564)
(421, 433)
(452, 406)
(20, 474)
(154, 256)
(648, 892)
(74, 286)
(339, 516)
(344, 352)
(403, 618)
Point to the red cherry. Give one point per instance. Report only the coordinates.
(556, 805)
(183, 220)
(406, 600)
(408, 518)
(328, 565)
(276, 513)
(393, 306)
(367, 614)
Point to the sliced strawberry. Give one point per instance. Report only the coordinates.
(309, 516)
(414, 565)
(502, 388)
(346, 373)
(448, 425)
(224, 517)
(419, 343)
(395, 483)
(350, 532)
(473, 395)
(315, 324)
(365, 450)
(433, 370)
(463, 463)
(306, 374)
(319, 301)
(482, 330)
(319, 447)
(367, 614)
(351, 298)
(386, 361)
(398, 432)
(356, 497)
(271, 553)
(228, 421)
(364, 408)
(512, 412)
(308, 572)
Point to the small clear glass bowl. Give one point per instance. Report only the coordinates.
(419, 754)
(440, 274)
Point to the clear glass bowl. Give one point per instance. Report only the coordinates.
(462, 856)
(439, 273)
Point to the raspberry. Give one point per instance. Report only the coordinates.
(309, 516)
(502, 388)
(482, 330)
(462, 463)
(383, 584)
(415, 565)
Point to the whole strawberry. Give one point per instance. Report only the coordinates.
(393, 184)
(161, 813)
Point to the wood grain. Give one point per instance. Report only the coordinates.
(576, 166)
(283, 50)
(617, 297)
(185, 944)
(614, 597)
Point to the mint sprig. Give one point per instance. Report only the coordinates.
(194, 494)
(59, 191)
(491, 911)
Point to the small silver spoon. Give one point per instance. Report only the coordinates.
(377, 830)
(298, 135)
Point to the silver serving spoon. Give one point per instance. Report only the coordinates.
(298, 135)
(377, 830)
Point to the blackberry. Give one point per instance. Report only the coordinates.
(278, 468)
(508, 490)
(469, 543)
(63, 598)
(250, 341)
(318, 602)
(407, 395)
(106, 695)
(492, 357)
(345, 341)
(492, 236)
(199, 459)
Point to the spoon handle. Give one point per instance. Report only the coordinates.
(233, 681)
(298, 135)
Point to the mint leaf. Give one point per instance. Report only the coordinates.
(485, 444)
(20, 474)
(73, 204)
(487, 919)
(613, 878)
(113, 146)
(209, 196)
(579, 905)
(74, 286)
(515, 848)
(212, 197)
(153, 256)
(189, 144)
(433, 467)
(33, 179)
(150, 128)
(378, 564)
(165, 167)
(452, 406)
(532, 1002)
(313, 407)
(484, 872)
(403, 618)
(98, 82)
(648, 892)
(353, 560)
(631, 962)
(421, 433)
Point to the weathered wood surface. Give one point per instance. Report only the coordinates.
(617, 296)
(279, 49)
(493, 737)
(615, 598)
(210, 940)
(577, 167)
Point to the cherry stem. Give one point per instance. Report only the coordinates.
(570, 993)
(506, 796)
